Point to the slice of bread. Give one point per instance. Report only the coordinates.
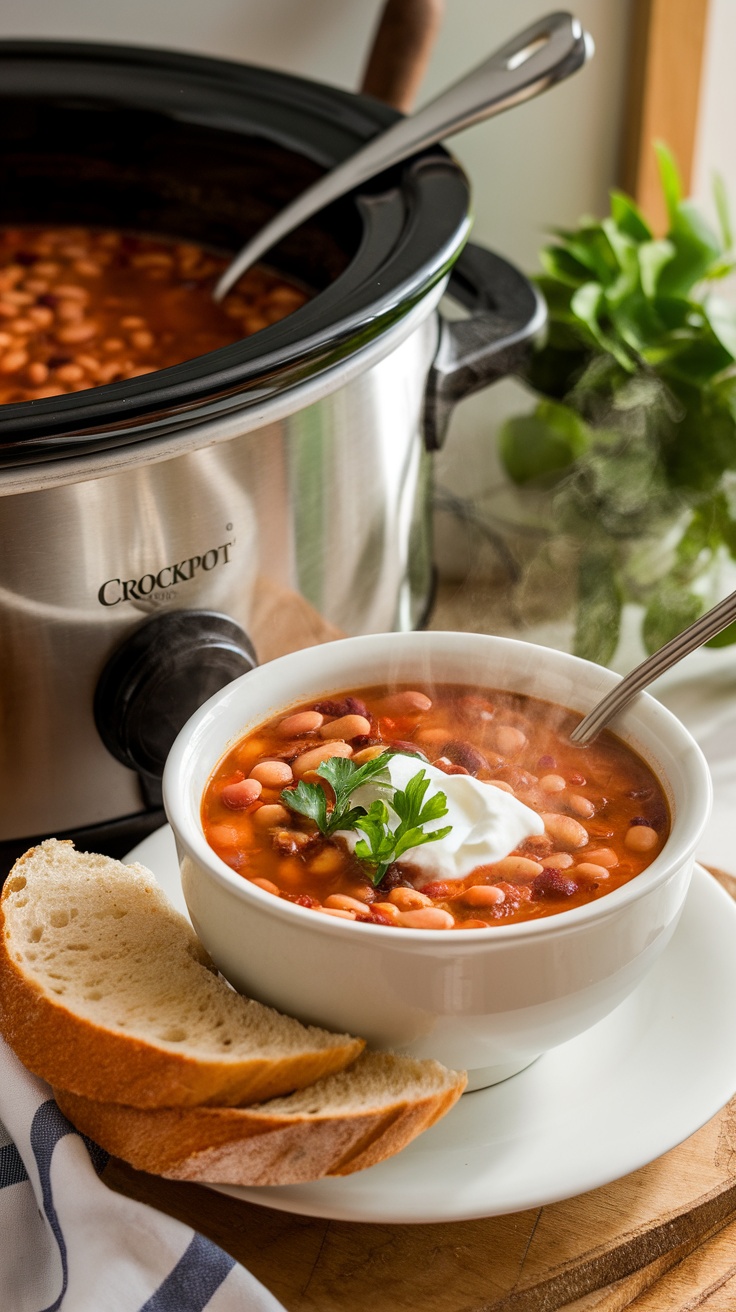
(106, 991)
(341, 1124)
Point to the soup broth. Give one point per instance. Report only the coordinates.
(81, 307)
(605, 816)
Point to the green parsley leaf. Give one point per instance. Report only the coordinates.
(343, 776)
(381, 847)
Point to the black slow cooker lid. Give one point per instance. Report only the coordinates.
(205, 149)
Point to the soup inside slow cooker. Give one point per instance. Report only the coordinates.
(81, 307)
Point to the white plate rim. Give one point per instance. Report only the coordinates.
(660, 1023)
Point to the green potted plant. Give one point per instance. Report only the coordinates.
(629, 455)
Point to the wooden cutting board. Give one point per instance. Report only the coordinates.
(654, 1241)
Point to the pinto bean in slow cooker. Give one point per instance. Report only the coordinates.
(81, 307)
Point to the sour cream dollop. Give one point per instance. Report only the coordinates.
(487, 822)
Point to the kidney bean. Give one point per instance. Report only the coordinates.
(465, 754)
(311, 759)
(348, 706)
(553, 884)
(346, 727)
(292, 726)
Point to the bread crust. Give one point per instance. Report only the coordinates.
(248, 1146)
(72, 1051)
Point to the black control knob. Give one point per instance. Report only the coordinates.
(158, 676)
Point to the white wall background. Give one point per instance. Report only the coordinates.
(714, 146)
(543, 164)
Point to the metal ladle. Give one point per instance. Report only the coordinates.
(543, 54)
(673, 651)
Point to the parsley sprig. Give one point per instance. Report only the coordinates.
(343, 776)
(381, 845)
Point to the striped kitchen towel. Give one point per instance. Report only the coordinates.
(69, 1242)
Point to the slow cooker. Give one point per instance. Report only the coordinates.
(141, 521)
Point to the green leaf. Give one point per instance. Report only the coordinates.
(599, 608)
(309, 800)
(559, 264)
(720, 196)
(668, 613)
(629, 218)
(540, 445)
(653, 256)
(696, 250)
(725, 638)
(669, 177)
(721, 315)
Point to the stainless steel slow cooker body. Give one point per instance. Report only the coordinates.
(142, 524)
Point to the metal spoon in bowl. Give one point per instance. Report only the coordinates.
(673, 651)
(543, 54)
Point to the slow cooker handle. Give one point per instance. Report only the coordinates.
(507, 314)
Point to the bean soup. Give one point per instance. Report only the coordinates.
(81, 307)
(267, 811)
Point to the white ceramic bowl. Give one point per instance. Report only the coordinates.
(489, 1001)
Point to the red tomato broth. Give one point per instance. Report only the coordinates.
(81, 307)
(518, 742)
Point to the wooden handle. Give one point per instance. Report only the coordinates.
(401, 48)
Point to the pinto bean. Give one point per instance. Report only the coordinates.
(311, 759)
(388, 911)
(603, 856)
(557, 861)
(565, 830)
(293, 726)
(368, 754)
(272, 774)
(590, 869)
(408, 899)
(347, 727)
(640, 838)
(406, 702)
(552, 783)
(508, 740)
(582, 806)
(344, 903)
(501, 783)
(516, 867)
(270, 815)
(326, 862)
(427, 918)
(482, 895)
(337, 912)
(239, 795)
(267, 886)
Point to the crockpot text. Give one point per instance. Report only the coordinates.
(113, 591)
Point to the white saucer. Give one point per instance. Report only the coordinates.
(598, 1107)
